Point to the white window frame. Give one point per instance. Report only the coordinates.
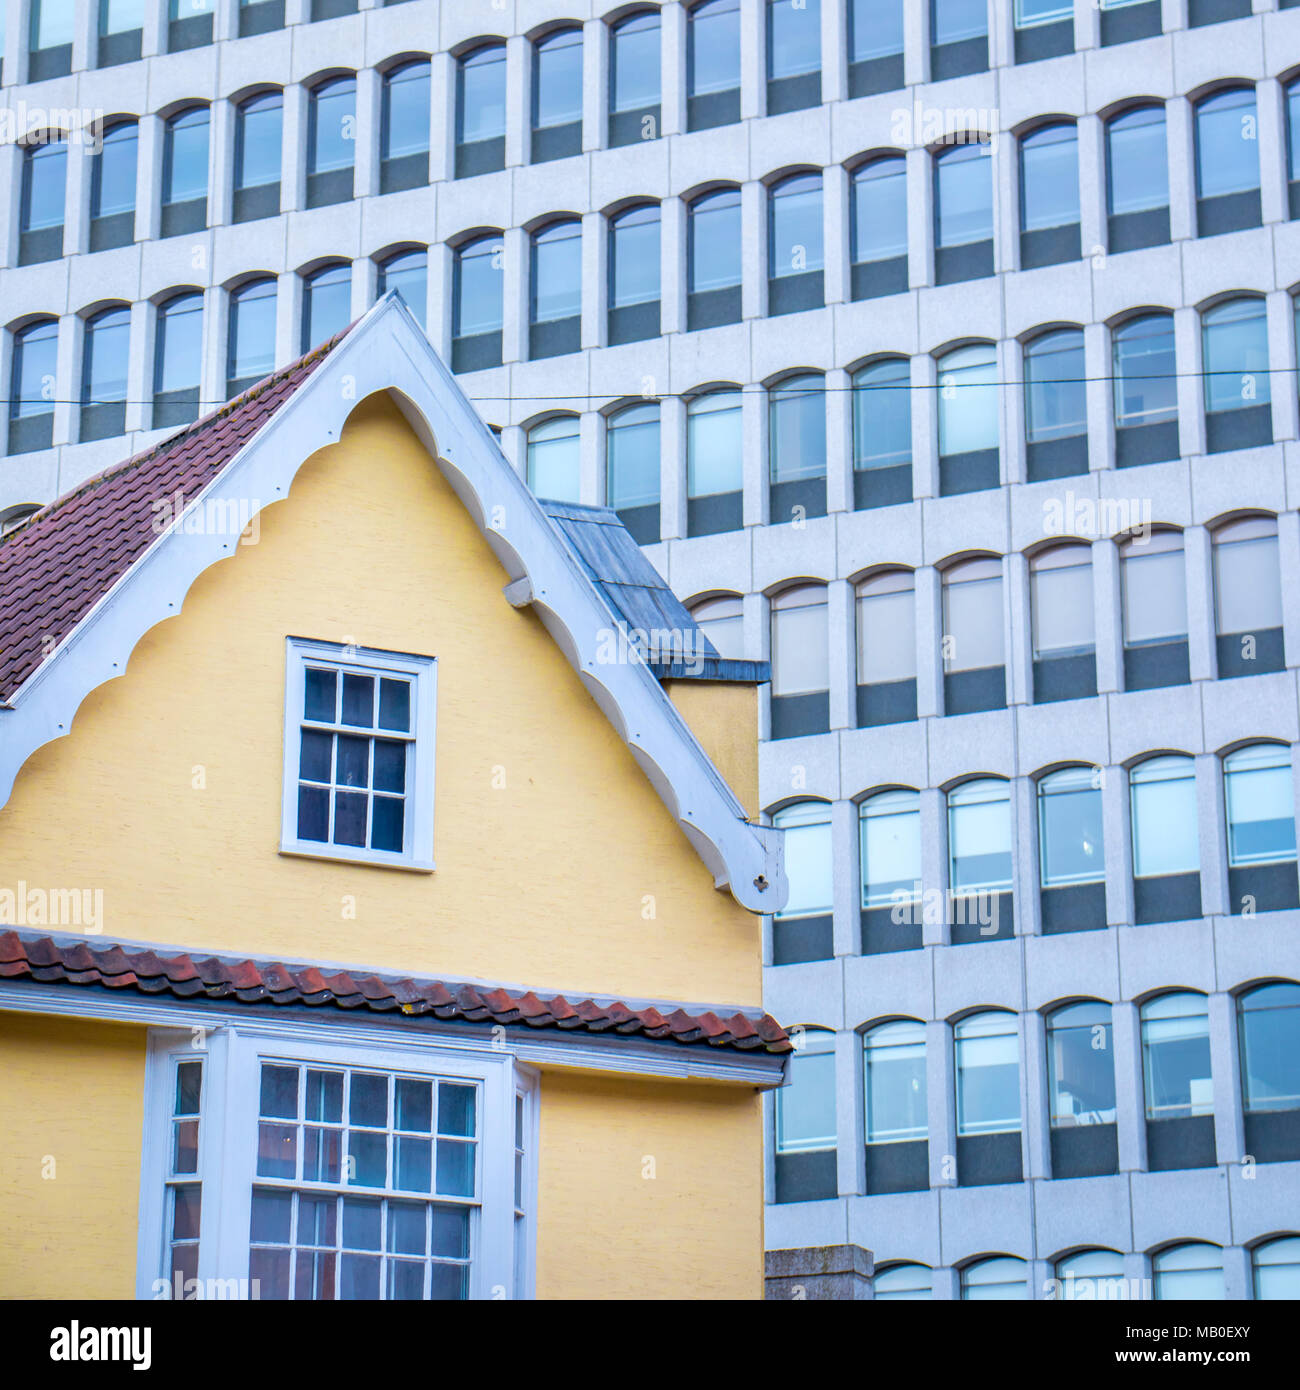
(417, 827)
(231, 1057)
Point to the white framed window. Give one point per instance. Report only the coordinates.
(358, 755)
(365, 1168)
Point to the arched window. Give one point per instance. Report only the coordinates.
(121, 31)
(1049, 196)
(979, 860)
(1061, 624)
(404, 128)
(886, 648)
(986, 1050)
(331, 141)
(714, 463)
(185, 172)
(250, 352)
(481, 111)
(45, 173)
(1268, 1027)
(968, 419)
(49, 39)
(105, 356)
(634, 274)
(794, 244)
(1091, 1274)
(905, 1281)
(478, 304)
(13, 517)
(1153, 589)
(555, 277)
(875, 56)
(963, 213)
(554, 459)
(802, 928)
(1276, 1268)
(1234, 351)
(800, 662)
(893, 1072)
(258, 126)
(112, 188)
(975, 676)
(1177, 1081)
(1259, 792)
(557, 95)
(1000, 1277)
(407, 272)
(1056, 407)
(1071, 851)
(882, 433)
(794, 55)
(797, 447)
(1292, 91)
(722, 621)
(189, 24)
(713, 236)
(632, 470)
(634, 79)
(1190, 1271)
(712, 64)
(805, 1120)
(878, 228)
(1137, 179)
(1146, 391)
(326, 303)
(1227, 162)
(1166, 848)
(889, 849)
(1248, 597)
(32, 380)
(1081, 1090)
(958, 38)
(178, 361)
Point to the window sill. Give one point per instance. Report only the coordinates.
(356, 856)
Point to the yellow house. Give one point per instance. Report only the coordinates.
(389, 928)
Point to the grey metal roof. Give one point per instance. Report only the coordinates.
(639, 600)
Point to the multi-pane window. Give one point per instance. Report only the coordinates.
(893, 1057)
(1137, 179)
(906, 1281)
(632, 469)
(404, 128)
(1248, 597)
(986, 1049)
(326, 303)
(793, 55)
(1176, 1056)
(1190, 1271)
(555, 280)
(178, 361)
(32, 377)
(481, 111)
(979, 837)
(875, 46)
(112, 188)
(1061, 623)
(183, 1202)
(1080, 1066)
(714, 462)
(1049, 196)
(794, 244)
(634, 79)
(807, 838)
(1070, 846)
(1056, 407)
(331, 141)
(890, 847)
(634, 274)
(721, 619)
(1234, 349)
(408, 273)
(1227, 162)
(1146, 390)
(258, 126)
(1268, 1025)
(713, 259)
(41, 207)
(105, 354)
(968, 419)
(712, 64)
(999, 1278)
(250, 353)
(973, 638)
(1275, 1266)
(557, 95)
(554, 459)
(478, 304)
(878, 228)
(963, 213)
(185, 172)
(1153, 590)
(366, 1184)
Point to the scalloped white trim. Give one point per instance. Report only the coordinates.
(386, 351)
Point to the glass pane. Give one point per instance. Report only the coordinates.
(1146, 388)
(805, 1105)
(997, 1279)
(1049, 179)
(895, 1080)
(890, 848)
(808, 867)
(332, 126)
(797, 429)
(632, 461)
(795, 226)
(34, 370)
(951, 21)
(972, 619)
(979, 838)
(279, 1091)
(714, 442)
(887, 636)
(1247, 585)
(875, 31)
(271, 1220)
(1055, 389)
(634, 64)
(557, 79)
(479, 280)
(715, 241)
(406, 111)
(1227, 144)
(185, 157)
(408, 275)
(1270, 1048)
(1155, 594)
(368, 1099)
(180, 344)
(252, 331)
(713, 48)
(1061, 606)
(557, 272)
(1235, 349)
(963, 196)
(793, 37)
(113, 184)
(1163, 792)
(455, 1168)
(44, 183)
(1071, 848)
(1189, 1272)
(327, 305)
(1137, 165)
(395, 704)
(882, 415)
(189, 1078)
(1081, 1066)
(1277, 1269)
(368, 1158)
(968, 401)
(1176, 1057)
(277, 1151)
(1260, 793)
(800, 651)
(106, 351)
(554, 463)
(257, 146)
(456, 1105)
(634, 258)
(324, 1096)
(987, 1054)
(482, 105)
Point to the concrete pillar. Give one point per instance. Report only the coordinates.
(828, 1272)
(365, 153)
(1225, 1068)
(753, 85)
(940, 1103)
(293, 166)
(1200, 603)
(1130, 1103)
(519, 71)
(839, 627)
(672, 267)
(672, 53)
(847, 894)
(672, 467)
(595, 84)
(1191, 398)
(925, 426)
(835, 234)
(595, 235)
(1182, 169)
(929, 646)
(920, 217)
(839, 442)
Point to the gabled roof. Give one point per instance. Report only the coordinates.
(85, 578)
(142, 970)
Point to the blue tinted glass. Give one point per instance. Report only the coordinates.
(1055, 405)
(795, 227)
(880, 211)
(1227, 144)
(44, 181)
(408, 275)
(112, 188)
(714, 444)
(120, 16)
(103, 375)
(185, 157)
(634, 63)
(333, 121)
(252, 330)
(478, 288)
(632, 441)
(715, 242)
(797, 429)
(327, 305)
(1137, 167)
(634, 258)
(1235, 352)
(179, 352)
(557, 79)
(36, 352)
(257, 143)
(882, 415)
(1049, 179)
(875, 29)
(406, 111)
(557, 272)
(52, 22)
(713, 48)
(963, 196)
(1146, 389)
(954, 20)
(554, 461)
(1293, 131)
(481, 110)
(794, 39)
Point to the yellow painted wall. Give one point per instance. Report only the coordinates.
(72, 1092)
(648, 1189)
(724, 717)
(548, 882)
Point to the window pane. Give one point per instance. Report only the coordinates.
(44, 182)
(1137, 166)
(1061, 602)
(880, 211)
(1146, 389)
(1277, 1268)
(1071, 849)
(979, 837)
(119, 16)
(257, 146)
(113, 183)
(481, 113)
(557, 272)
(1247, 583)
(553, 459)
(1235, 347)
(954, 20)
(1270, 1048)
(35, 365)
(634, 63)
(886, 615)
(805, 1105)
(332, 126)
(963, 195)
(52, 23)
(252, 330)
(327, 306)
(1293, 131)
(1260, 796)
(972, 616)
(632, 460)
(1154, 586)
(797, 426)
(894, 1063)
(968, 400)
(793, 37)
(1188, 1272)
(1049, 178)
(406, 111)
(634, 258)
(795, 226)
(557, 79)
(1176, 1057)
(479, 293)
(1031, 12)
(987, 1054)
(807, 828)
(408, 275)
(882, 415)
(890, 825)
(800, 659)
(721, 620)
(107, 349)
(715, 241)
(1163, 796)
(1055, 390)
(185, 157)
(1227, 147)
(713, 49)
(714, 440)
(875, 31)
(904, 1282)
(1081, 1066)
(180, 344)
